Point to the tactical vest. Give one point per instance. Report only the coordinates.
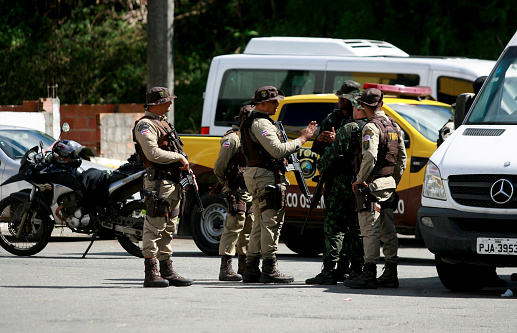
(234, 172)
(165, 142)
(255, 154)
(389, 139)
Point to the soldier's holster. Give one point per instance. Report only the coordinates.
(275, 197)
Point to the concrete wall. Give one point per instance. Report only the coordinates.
(116, 137)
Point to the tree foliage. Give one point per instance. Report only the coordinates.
(95, 50)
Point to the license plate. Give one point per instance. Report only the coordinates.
(506, 246)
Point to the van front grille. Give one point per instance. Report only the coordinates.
(474, 190)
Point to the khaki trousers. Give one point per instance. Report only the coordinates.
(266, 227)
(237, 230)
(158, 231)
(376, 227)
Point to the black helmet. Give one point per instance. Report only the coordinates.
(67, 152)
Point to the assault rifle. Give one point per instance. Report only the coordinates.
(294, 165)
(188, 180)
(316, 197)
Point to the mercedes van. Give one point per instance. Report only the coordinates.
(299, 65)
(468, 217)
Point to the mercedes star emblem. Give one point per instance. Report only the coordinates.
(502, 191)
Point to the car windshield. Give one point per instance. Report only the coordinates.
(497, 103)
(426, 119)
(15, 142)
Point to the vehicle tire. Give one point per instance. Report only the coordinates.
(310, 243)
(133, 209)
(461, 277)
(208, 226)
(35, 235)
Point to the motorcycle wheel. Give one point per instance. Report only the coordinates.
(133, 209)
(35, 234)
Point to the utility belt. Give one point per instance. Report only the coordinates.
(275, 197)
(154, 174)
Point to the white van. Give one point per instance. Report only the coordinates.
(298, 65)
(468, 217)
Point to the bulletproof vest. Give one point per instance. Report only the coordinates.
(388, 146)
(254, 153)
(234, 172)
(356, 144)
(166, 142)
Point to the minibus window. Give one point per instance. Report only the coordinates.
(497, 103)
(239, 85)
(334, 80)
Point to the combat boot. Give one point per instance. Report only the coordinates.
(242, 264)
(167, 272)
(389, 278)
(342, 269)
(226, 272)
(252, 270)
(152, 276)
(367, 279)
(327, 275)
(356, 267)
(270, 274)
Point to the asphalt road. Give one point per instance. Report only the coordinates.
(57, 291)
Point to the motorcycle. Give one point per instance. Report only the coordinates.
(87, 202)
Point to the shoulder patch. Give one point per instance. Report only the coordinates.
(143, 125)
(226, 144)
(366, 139)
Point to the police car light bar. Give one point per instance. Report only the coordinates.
(400, 89)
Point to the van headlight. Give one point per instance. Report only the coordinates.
(433, 185)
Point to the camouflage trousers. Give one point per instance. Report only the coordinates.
(341, 228)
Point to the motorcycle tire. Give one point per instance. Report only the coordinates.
(35, 234)
(134, 209)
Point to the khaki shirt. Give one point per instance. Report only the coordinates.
(147, 134)
(370, 150)
(230, 145)
(265, 133)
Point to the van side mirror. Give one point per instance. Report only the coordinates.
(463, 104)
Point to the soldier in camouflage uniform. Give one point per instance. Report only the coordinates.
(341, 236)
(341, 229)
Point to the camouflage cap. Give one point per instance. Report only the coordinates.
(371, 97)
(266, 94)
(349, 90)
(158, 95)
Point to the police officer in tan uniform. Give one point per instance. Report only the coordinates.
(160, 150)
(383, 163)
(264, 176)
(229, 169)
